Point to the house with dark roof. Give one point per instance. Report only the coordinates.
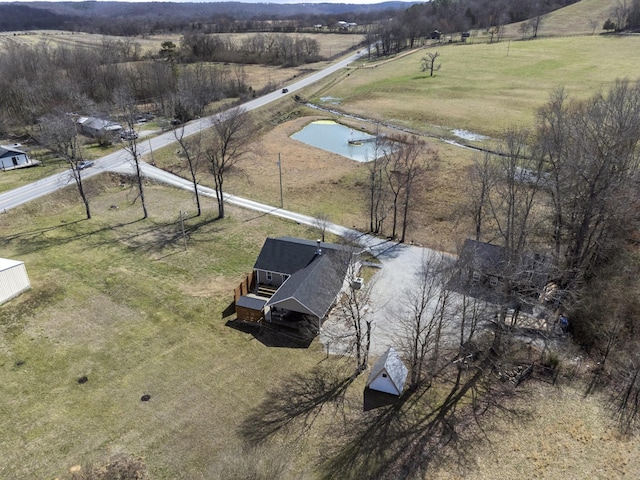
(485, 267)
(295, 282)
(12, 157)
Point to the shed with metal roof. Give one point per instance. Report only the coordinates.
(389, 374)
(13, 279)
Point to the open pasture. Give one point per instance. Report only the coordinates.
(485, 88)
(120, 302)
(330, 43)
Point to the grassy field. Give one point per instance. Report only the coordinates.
(120, 301)
(484, 88)
(330, 43)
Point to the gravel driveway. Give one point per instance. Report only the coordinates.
(400, 263)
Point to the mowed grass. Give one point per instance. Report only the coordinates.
(120, 301)
(486, 88)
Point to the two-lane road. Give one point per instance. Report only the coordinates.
(26, 193)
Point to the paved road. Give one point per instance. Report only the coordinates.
(14, 198)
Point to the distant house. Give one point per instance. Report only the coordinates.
(13, 279)
(295, 282)
(96, 127)
(489, 265)
(11, 157)
(389, 374)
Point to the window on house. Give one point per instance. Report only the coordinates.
(384, 375)
(269, 276)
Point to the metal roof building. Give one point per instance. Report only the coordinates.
(13, 279)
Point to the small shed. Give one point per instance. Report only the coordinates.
(250, 308)
(389, 374)
(13, 279)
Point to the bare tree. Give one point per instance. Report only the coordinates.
(481, 179)
(591, 149)
(628, 394)
(620, 11)
(232, 133)
(536, 20)
(406, 162)
(321, 222)
(353, 308)
(59, 133)
(424, 316)
(419, 160)
(377, 192)
(511, 204)
(429, 63)
(128, 111)
(192, 150)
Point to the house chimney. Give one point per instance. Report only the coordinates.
(319, 250)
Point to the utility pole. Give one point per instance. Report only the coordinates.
(280, 173)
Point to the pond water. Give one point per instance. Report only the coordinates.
(334, 137)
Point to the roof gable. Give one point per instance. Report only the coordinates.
(8, 151)
(315, 287)
(395, 369)
(288, 255)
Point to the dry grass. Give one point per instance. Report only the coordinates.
(572, 20)
(330, 43)
(120, 301)
(565, 436)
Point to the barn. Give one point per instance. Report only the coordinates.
(13, 279)
(389, 374)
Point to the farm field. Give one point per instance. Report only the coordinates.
(330, 43)
(484, 88)
(120, 301)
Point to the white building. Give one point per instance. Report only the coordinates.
(389, 374)
(13, 279)
(11, 157)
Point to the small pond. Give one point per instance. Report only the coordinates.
(334, 137)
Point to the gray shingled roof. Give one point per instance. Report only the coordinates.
(252, 303)
(8, 151)
(314, 287)
(288, 255)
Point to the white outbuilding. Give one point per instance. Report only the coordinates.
(13, 279)
(389, 374)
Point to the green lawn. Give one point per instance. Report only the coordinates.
(118, 300)
(486, 88)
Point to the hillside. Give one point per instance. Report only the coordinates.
(576, 19)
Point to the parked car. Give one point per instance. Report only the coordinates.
(83, 165)
(285, 90)
(129, 135)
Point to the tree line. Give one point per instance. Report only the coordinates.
(422, 21)
(567, 189)
(261, 48)
(37, 80)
